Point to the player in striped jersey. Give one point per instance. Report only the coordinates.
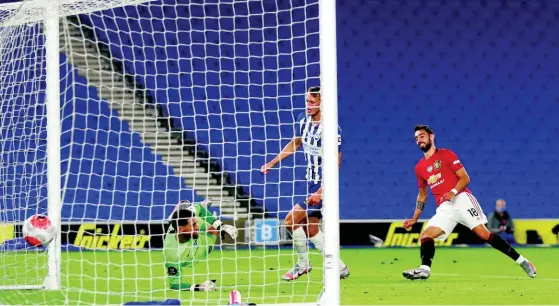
(304, 218)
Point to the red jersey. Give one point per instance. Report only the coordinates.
(439, 172)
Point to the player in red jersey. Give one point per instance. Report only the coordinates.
(442, 171)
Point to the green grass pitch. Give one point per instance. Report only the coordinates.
(460, 276)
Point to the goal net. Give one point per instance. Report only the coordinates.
(159, 101)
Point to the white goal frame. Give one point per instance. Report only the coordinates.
(49, 12)
(329, 110)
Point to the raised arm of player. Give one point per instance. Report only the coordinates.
(213, 225)
(420, 203)
(463, 177)
(287, 151)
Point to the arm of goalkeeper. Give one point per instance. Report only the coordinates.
(203, 213)
(174, 273)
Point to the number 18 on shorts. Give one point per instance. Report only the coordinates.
(463, 209)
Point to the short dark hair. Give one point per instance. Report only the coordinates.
(425, 127)
(314, 91)
(180, 217)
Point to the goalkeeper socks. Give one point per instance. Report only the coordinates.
(318, 241)
(427, 251)
(500, 244)
(301, 247)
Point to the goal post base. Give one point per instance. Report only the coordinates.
(23, 287)
(51, 283)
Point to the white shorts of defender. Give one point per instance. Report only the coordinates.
(463, 209)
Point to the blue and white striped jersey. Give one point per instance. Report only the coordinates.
(311, 135)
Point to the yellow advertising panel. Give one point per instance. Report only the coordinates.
(6, 232)
(110, 237)
(528, 230)
(397, 235)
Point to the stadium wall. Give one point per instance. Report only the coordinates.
(271, 233)
(486, 85)
(481, 73)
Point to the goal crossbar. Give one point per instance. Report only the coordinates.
(30, 11)
(23, 287)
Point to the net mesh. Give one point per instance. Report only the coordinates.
(23, 148)
(161, 101)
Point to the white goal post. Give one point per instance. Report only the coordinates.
(22, 14)
(48, 13)
(329, 91)
(40, 23)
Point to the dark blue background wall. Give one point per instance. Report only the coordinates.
(233, 75)
(482, 73)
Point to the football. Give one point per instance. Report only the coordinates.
(38, 230)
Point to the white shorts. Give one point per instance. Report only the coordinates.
(463, 209)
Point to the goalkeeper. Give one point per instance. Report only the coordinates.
(190, 238)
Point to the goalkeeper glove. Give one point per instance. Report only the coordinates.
(208, 285)
(225, 229)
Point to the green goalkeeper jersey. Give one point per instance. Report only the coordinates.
(178, 255)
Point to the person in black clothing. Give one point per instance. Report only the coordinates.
(500, 222)
(555, 232)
